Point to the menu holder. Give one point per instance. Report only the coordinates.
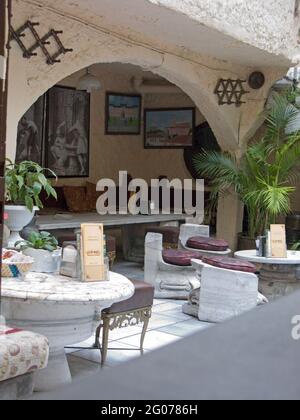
(92, 253)
(278, 241)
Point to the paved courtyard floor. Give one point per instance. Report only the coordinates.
(167, 325)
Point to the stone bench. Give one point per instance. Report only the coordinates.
(21, 354)
(228, 287)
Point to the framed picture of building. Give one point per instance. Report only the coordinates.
(67, 132)
(31, 132)
(169, 128)
(123, 114)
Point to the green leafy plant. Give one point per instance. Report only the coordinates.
(265, 177)
(24, 183)
(292, 94)
(39, 240)
(295, 246)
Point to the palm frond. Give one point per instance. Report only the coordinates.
(219, 167)
(281, 116)
(275, 199)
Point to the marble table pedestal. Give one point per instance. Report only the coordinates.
(277, 276)
(63, 310)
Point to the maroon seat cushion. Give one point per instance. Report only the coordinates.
(170, 233)
(230, 264)
(142, 298)
(180, 257)
(207, 244)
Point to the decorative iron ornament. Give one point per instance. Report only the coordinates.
(41, 42)
(128, 319)
(230, 92)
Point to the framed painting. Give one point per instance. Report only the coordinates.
(169, 128)
(67, 132)
(31, 132)
(123, 114)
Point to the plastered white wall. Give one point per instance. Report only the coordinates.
(270, 25)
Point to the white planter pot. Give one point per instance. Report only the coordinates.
(44, 261)
(18, 218)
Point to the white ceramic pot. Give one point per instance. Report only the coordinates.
(18, 218)
(44, 261)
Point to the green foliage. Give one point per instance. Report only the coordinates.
(24, 183)
(39, 240)
(265, 177)
(292, 94)
(296, 246)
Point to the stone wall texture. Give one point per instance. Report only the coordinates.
(270, 25)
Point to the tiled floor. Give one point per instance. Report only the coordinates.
(167, 325)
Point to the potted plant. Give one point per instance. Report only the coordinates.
(43, 248)
(265, 177)
(24, 183)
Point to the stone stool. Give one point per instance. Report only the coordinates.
(130, 312)
(228, 288)
(196, 237)
(169, 271)
(170, 235)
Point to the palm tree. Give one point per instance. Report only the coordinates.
(265, 177)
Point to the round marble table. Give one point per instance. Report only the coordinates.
(278, 276)
(64, 310)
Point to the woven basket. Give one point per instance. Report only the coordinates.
(15, 269)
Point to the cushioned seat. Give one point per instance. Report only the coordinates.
(170, 235)
(180, 258)
(21, 352)
(143, 297)
(130, 312)
(207, 244)
(230, 264)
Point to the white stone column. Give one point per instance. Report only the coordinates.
(230, 219)
(231, 210)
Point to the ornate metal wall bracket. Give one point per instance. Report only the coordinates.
(41, 42)
(230, 92)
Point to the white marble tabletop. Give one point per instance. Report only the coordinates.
(56, 288)
(293, 257)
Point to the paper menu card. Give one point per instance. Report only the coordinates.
(278, 241)
(92, 252)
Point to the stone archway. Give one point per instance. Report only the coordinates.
(186, 77)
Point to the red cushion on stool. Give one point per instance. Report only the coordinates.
(142, 298)
(230, 264)
(180, 257)
(207, 244)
